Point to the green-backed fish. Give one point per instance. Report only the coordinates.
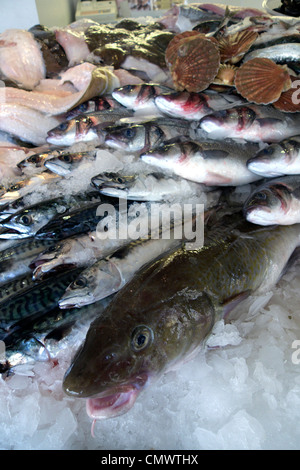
(163, 316)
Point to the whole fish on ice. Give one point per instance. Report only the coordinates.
(250, 122)
(163, 316)
(209, 162)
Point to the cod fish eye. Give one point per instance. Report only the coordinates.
(142, 336)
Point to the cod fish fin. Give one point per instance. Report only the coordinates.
(232, 302)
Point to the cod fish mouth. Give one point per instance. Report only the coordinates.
(112, 405)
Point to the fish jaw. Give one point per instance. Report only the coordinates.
(112, 405)
(75, 301)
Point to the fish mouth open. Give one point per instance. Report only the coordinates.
(114, 404)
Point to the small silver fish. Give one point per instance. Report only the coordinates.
(250, 122)
(63, 165)
(210, 162)
(140, 97)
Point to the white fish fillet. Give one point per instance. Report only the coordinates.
(25, 123)
(21, 59)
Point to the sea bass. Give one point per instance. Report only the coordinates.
(145, 135)
(276, 201)
(252, 122)
(86, 127)
(193, 106)
(175, 304)
(210, 162)
(282, 158)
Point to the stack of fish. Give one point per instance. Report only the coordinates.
(128, 112)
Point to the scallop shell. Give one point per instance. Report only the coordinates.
(261, 81)
(196, 65)
(225, 75)
(235, 46)
(289, 101)
(171, 51)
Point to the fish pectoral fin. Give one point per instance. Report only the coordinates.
(232, 302)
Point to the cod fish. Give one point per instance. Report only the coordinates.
(252, 122)
(282, 158)
(163, 316)
(86, 127)
(193, 106)
(276, 201)
(210, 162)
(108, 276)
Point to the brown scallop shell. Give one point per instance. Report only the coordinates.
(261, 81)
(225, 75)
(234, 46)
(171, 51)
(289, 100)
(197, 65)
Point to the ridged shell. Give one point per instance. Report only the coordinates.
(197, 65)
(261, 81)
(225, 75)
(289, 101)
(171, 51)
(235, 46)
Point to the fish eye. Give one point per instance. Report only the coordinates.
(67, 158)
(129, 132)
(268, 151)
(127, 88)
(80, 282)
(34, 159)
(261, 196)
(141, 337)
(63, 126)
(26, 219)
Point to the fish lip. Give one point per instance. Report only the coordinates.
(111, 405)
(13, 233)
(76, 301)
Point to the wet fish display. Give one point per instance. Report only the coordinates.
(105, 129)
(276, 201)
(137, 340)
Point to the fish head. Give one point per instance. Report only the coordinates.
(35, 160)
(235, 119)
(168, 155)
(63, 164)
(267, 204)
(133, 343)
(95, 283)
(28, 222)
(126, 137)
(273, 160)
(128, 95)
(80, 129)
(54, 259)
(111, 183)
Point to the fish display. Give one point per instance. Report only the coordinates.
(276, 201)
(137, 339)
(101, 128)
